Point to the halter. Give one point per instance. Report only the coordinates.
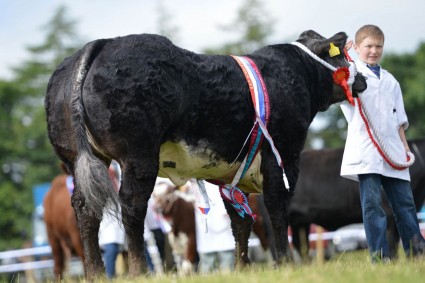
(342, 76)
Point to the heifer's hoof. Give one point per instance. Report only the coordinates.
(242, 263)
(186, 268)
(95, 271)
(283, 260)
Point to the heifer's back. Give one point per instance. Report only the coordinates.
(61, 224)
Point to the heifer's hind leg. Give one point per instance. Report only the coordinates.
(135, 192)
(88, 224)
(241, 229)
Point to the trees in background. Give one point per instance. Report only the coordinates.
(15, 201)
(164, 22)
(409, 70)
(253, 27)
(26, 156)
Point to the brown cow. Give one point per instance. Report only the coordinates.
(61, 225)
(61, 222)
(181, 214)
(178, 207)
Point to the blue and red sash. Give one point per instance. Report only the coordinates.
(260, 99)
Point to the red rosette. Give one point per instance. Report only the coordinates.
(341, 74)
(340, 77)
(238, 197)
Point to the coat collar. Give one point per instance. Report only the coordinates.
(362, 67)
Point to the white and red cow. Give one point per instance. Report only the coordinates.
(162, 110)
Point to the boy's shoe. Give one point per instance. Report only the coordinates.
(377, 257)
(418, 245)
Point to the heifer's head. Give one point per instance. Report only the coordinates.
(331, 53)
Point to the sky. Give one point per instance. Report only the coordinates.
(200, 22)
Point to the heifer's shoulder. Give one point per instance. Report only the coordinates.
(153, 40)
(289, 83)
(281, 64)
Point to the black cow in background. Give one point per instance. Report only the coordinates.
(325, 198)
(162, 110)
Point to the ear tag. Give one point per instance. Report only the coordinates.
(333, 50)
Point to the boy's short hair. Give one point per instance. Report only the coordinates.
(369, 31)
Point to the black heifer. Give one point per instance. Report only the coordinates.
(324, 198)
(161, 110)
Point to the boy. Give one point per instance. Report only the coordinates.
(365, 160)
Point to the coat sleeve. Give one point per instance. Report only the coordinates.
(402, 120)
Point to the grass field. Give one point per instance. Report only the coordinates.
(343, 268)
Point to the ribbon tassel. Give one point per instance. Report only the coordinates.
(202, 200)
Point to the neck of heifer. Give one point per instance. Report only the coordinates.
(299, 86)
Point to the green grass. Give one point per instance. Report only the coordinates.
(346, 268)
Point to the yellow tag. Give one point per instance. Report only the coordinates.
(333, 51)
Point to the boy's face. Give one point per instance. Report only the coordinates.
(370, 50)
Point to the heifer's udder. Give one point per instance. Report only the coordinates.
(180, 162)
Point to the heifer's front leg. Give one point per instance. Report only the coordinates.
(88, 225)
(134, 194)
(241, 229)
(277, 200)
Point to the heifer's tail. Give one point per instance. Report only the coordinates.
(91, 174)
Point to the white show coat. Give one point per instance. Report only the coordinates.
(111, 229)
(219, 236)
(384, 103)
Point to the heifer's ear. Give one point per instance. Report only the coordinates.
(337, 41)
